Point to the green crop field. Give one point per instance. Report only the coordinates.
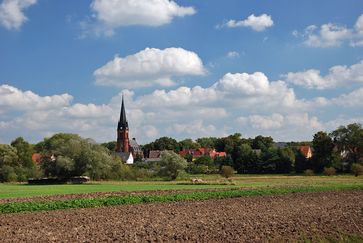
(9, 190)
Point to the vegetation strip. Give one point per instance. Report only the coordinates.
(16, 207)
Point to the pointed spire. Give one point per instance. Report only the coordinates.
(122, 123)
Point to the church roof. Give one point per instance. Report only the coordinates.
(122, 123)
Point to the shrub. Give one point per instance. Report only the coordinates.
(329, 171)
(309, 172)
(171, 164)
(7, 174)
(226, 171)
(357, 169)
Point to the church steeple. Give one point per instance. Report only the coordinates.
(122, 123)
(122, 131)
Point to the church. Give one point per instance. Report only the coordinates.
(125, 148)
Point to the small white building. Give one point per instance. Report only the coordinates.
(126, 157)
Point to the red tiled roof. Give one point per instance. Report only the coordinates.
(305, 149)
(37, 158)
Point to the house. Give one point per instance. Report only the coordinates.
(154, 155)
(126, 157)
(37, 158)
(306, 151)
(202, 152)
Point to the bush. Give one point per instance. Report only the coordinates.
(171, 164)
(309, 172)
(329, 171)
(226, 171)
(357, 169)
(7, 174)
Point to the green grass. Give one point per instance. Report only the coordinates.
(16, 207)
(246, 181)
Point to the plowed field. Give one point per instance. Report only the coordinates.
(249, 219)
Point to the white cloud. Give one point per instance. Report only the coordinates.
(88, 111)
(12, 98)
(338, 76)
(149, 67)
(332, 35)
(111, 14)
(239, 102)
(352, 99)
(232, 54)
(11, 13)
(257, 23)
(282, 126)
(266, 122)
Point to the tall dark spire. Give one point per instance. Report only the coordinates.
(122, 123)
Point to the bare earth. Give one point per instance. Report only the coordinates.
(253, 219)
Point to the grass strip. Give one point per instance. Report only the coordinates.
(16, 207)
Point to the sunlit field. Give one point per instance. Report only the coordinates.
(10, 190)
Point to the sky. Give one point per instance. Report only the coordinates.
(186, 68)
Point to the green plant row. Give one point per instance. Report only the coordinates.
(16, 207)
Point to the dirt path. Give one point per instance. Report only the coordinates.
(254, 219)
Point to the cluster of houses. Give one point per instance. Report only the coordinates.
(154, 155)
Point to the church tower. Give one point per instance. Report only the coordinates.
(122, 131)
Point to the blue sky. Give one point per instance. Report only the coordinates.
(186, 68)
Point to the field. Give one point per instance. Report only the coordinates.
(253, 208)
(244, 181)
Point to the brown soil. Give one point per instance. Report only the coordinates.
(249, 219)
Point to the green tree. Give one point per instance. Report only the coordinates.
(110, 145)
(24, 152)
(261, 142)
(188, 144)
(323, 151)
(171, 164)
(166, 143)
(207, 142)
(349, 142)
(9, 160)
(67, 155)
(246, 160)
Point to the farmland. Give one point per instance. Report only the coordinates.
(8, 190)
(276, 207)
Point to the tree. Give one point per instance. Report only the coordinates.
(188, 144)
(246, 160)
(301, 163)
(323, 151)
(110, 145)
(261, 142)
(171, 164)
(207, 142)
(8, 162)
(67, 155)
(349, 142)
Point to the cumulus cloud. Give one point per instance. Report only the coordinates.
(12, 98)
(111, 14)
(339, 75)
(149, 67)
(249, 103)
(352, 99)
(257, 23)
(12, 13)
(332, 35)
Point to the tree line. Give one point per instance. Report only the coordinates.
(66, 155)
